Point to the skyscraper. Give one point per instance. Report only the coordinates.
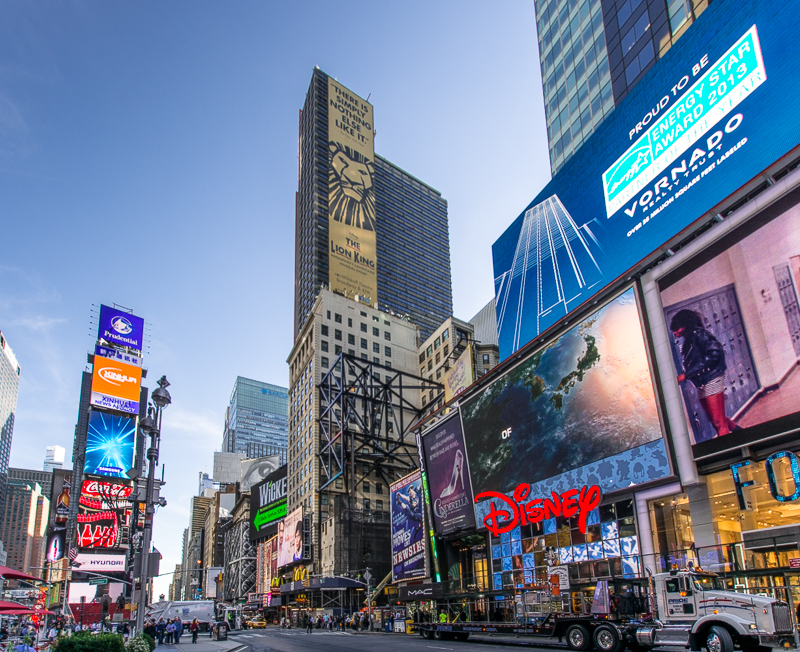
(592, 53)
(54, 458)
(401, 216)
(9, 385)
(257, 420)
(24, 526)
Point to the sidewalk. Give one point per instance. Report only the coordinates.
(204, 644)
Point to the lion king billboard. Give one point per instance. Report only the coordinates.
(351, 194)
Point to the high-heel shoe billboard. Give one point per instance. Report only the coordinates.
(448, 477)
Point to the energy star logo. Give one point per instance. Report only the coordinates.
(113, 376)
(727, 83)
(122, 325)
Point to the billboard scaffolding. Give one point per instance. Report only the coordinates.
(366, 414)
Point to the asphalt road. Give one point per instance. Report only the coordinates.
(297, 640)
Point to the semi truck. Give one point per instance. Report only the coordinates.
(687, 608)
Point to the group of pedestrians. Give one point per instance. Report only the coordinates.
(169, 632)
(357, 622)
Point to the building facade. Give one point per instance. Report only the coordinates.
(410, 216)
(9, 386)
(339, 325)
(24, 526)
(593, 53)
(256, 420)
(54, 458)
(43, 478)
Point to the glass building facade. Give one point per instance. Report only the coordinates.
(412, 223)
(593, 52)
(257, 420)
(9, 386)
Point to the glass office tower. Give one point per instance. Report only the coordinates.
(593, 52)
(9, 385)
(257, 420)
(412, 236)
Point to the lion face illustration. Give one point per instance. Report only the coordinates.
(351, 197)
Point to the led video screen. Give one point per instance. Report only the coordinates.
(582, 399)
(715, 111)
(734, 322)
(110, 445)
(290, 538)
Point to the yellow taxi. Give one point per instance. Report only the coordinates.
(256, 623)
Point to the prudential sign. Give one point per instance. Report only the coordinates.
(717, 110)
(732, 78)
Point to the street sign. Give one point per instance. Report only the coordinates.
(794, 563)
(367, 576)
(98, 580)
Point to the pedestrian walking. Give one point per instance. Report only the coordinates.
(194, 628)
(161, 628)
(178, 630)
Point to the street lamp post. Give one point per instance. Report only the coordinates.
(150, 425)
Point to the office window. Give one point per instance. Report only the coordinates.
(339, 483)
(379, 505)
(324, 345)
(337, 349)
(436, 343)
(388, 365)
(438, 374)
(375, 318)
(446, 334)
(430, 365)
(366, 487)
(366, 503)
(324, 362)
(387, 336)
(350, 322)
(422, 357)
(364, 357)
(438, 358)
(363, 343)
(351, 352)
(446, 349)
(376, 332)
(378, 488)
(376, 361)
(485, 358)
(376, 348)
(337, 318)
(430, 351)
(363, 327)
(422, 371)
(324, 329)
(388, 351)
(351, 339)
(337, 334)
(329, 314)
(363, 314)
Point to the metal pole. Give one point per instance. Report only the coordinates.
(152, 457)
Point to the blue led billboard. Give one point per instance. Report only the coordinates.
(110, 445)
(121, 328)
(717, 110)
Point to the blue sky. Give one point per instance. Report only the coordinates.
(148, 157)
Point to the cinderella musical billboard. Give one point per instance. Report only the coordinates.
(717, 110)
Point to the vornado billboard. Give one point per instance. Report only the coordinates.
(351, 194)
(716, 111)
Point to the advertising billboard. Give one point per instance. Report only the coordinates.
(268, 504)
(717, 109)
(255, 470)
(101, 563)
(408, 528)
(110, 445)
(116, 385)
(460, 375)
(448, 477)
(104, 515)
(120, 328)
(290, 538)
(59, 514)
(351, 194)
(734, 323)
(579, 411)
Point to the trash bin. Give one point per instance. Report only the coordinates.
(220, 631)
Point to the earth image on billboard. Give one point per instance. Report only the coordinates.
(584, 397)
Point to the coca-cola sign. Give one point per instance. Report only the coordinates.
(507, 512)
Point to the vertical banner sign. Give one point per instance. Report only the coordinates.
(448, 475)
(351, 194)
(460, 376)
(408, 529)
(59, 513)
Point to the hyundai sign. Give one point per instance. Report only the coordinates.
(120, 328)
(712, 114)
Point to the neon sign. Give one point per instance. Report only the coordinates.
(773, 483)
(515, 511)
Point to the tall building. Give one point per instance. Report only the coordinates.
(9, 385)
(407, 215)
(54, 458)
(593, 53)
(256, 421)
(337, 324)
(43, 478)
(24, 526)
